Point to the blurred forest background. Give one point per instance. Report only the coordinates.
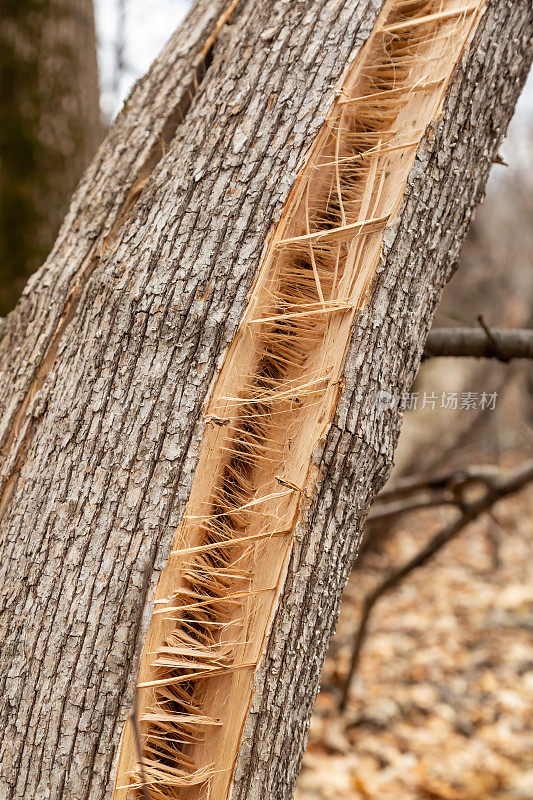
(440, 702)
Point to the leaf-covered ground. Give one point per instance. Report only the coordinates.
(442, 704)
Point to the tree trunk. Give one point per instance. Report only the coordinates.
(200, 385)
(50, 127)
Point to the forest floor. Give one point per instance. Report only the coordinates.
(441, 707)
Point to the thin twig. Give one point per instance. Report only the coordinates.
(499, 487)
(390, 510)
(491, 337)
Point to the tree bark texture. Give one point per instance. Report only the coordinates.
(109, 358)
(50, 127)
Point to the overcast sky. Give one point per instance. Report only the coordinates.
(145, 27)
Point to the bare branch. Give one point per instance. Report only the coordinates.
(389, 510)
(450, 479)
(500, 486)
(499, 343)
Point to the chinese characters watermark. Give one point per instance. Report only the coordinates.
(450, 401)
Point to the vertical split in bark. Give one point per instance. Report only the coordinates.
(274, 398)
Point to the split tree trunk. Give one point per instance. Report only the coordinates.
(109, 360)
(50, 127)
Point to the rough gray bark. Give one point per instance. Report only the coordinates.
(50, 127)
(110, 355)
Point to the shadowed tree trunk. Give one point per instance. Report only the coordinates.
(50, 127)
(200, 386)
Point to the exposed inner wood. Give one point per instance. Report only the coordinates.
(274, 398)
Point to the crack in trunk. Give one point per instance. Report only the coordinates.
(274, 399)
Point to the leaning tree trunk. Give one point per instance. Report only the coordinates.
(200, 385)
(50, 127)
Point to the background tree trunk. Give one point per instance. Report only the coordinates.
(109, 358)
(50, 127)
